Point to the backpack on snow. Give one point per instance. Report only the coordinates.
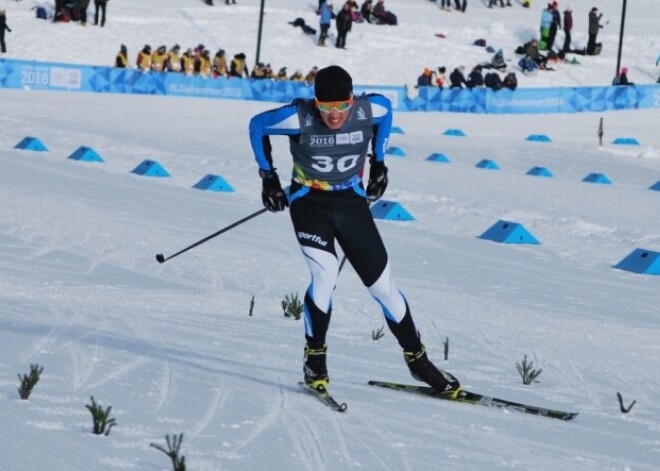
(42, 14)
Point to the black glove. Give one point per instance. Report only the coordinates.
(377, 180)
(272, 194)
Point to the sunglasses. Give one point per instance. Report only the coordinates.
(341, 106)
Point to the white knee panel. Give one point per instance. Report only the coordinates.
(324, 268)
(390, 298)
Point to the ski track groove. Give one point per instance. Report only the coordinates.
(218, 400)
(55, 333)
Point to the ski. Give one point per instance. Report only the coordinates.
(324, 396)
(469, 397)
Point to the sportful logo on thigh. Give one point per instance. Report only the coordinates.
(313, 238)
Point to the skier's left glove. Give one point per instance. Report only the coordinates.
(377, 180)
(272, 194)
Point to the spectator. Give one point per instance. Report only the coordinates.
(268, 72)
(493, 81)
(367, 11)
(324, 22)
(476, 78)
(446, 5)
(622, 78)
(83, 5)
(237, 67)
(220, 64)
(281, 74)
(456, 78)
(311, 75)
(533, 54)
(233, 2)
(594, 26)
(173, 61)
(158, 59)
(568, 27)
(426, 79)
(492, 4)
(343, 22)
(188, 62)
(99, 5)
(441, 77)
(526, 3)
(205, 64)
(297, 76)
(121, 60)
(546, 21)
(3, 27)
(555, 24)
(460, 7)
(144, 59)
(510, 81)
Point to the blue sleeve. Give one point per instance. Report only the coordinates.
(381, 109)
(282, 121)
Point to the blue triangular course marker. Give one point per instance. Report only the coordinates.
(487, 163)
(438, 157)
(395, 151)
(509, 232)
(150, 168)
(597, 178)
(396, 130)
(641, 261)
(655, 186)
(538, 138)
(454, 132)
(390, 210)
(540, 172)
(31, 143)
(625, 141)
(213, 183)
(86, 154)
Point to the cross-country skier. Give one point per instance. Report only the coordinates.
(329, 138)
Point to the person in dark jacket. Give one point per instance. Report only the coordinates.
(426, 79)
(568, 27)
(121, 60)
(344, 22)
(555, 24)
(622, 78)
(510, 81)
(237, 67)
(99, 5)
(3, 27)
(366, 10)
(594, 27)
(457, 79)
(83, 5)
(476, 78)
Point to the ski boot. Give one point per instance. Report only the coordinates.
(423, 370)
(316, 372)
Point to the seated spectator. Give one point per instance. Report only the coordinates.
(173, 61)
(281, 75)
(510, 81)
(143, 61)
(238, 67)
(122, 57)
(441, 77)
(622, 78)
(532, 53)
(258, 71)
(158, 59)
(493, 81)
(426, 79)
(311, 75)
(456, 78)
(297, 76)
(188, 62)
(220, 64)
(476, 78)
(205, 66)
(366, 10)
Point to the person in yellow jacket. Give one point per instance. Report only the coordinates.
(220, 64)
(205, 64)
(121, 60)
(297, 76)
(144, 59)
(158, 59)
(173, 62)
(238, 67)
(188, 62)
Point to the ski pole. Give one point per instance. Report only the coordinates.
(161, 259)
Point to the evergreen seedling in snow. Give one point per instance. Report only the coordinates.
(173, 446)
(251, 306)
(102, 421)
(446, 345)
(377, 334)
(292, 306)
(527, 371)
(624, 409)
(29, 381)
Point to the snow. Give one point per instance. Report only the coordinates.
(172, 348)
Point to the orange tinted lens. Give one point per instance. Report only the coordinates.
(328, 106)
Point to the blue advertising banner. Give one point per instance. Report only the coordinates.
(32, 75)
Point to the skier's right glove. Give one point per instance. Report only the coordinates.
(272, 194)
(377, 180)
